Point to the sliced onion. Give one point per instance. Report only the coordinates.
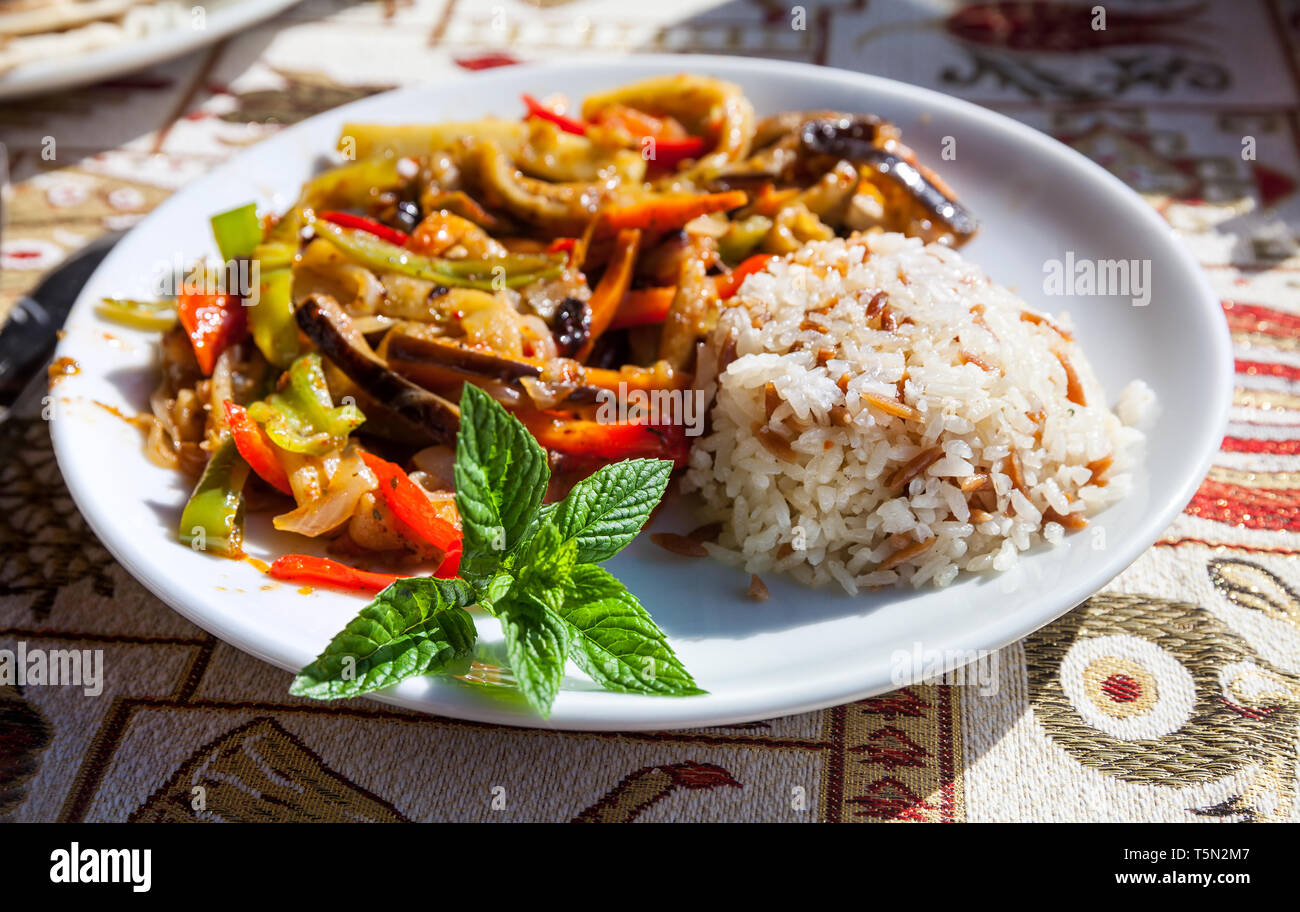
(546, 395)
(222, 388)
(161, 448)
(164, 438)
(373, 324)
(349, 481)
(438, 463)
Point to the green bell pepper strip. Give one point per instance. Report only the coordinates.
(271, 320)
(238, 232)
(302, 418)
(379, 255)
(213, 520)
(152, 316)
(280, 246)
(355, 184)
(742, 237)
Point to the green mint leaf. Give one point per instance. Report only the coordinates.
(537, 643)
(544, 512)
(606, 510)
(414, 627)
(493, 589)
(501, 475)
(545, 563)
(615, 641)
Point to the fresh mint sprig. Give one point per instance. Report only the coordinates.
(500, 476)
(533, 567)
(415, 626)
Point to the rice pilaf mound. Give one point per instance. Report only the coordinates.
(886, 414)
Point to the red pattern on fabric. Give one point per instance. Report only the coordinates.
(486, 61)
(890, 799)
(1121, 688)
(899, 703)
(1267, 369)
(892, 747)
(1260, 445)
(1256, 318)
(1254, 508)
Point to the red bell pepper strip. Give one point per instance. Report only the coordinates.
(411, 507)
(607, 441)
(672, 144)
(255, 447)
(303, 568)
(730, 283)
(378, 229)
(214, 322)
(565, 245)
(637, 123)
(567, 124)
(668, 153)
(450, 566)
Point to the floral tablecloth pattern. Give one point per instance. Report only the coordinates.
(1165, 97)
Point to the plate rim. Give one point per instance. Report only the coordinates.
(840, 686)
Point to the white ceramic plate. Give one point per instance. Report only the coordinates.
(803, 649)
(136, 53)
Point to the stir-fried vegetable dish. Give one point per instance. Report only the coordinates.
(579, 248)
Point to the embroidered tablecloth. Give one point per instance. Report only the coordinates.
(1194, 106)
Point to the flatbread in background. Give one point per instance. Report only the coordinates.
(38, 30)
(32, 17)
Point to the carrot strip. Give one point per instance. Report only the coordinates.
(643, 307)
(255, 447)
(668, 213)
(770, 200)
(607, 296)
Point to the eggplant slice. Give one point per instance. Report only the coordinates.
(433, 363)
(866, 140)
(427, 415)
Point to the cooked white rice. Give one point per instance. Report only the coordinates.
(982, 388)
